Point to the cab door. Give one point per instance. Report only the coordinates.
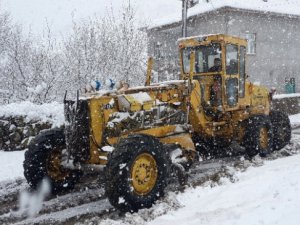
(231, 76)
(242, 71)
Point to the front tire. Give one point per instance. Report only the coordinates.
(136, 173)
(281, 129)
(43, 161)
(258, 137)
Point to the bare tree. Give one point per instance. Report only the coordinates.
(41, 69)
(106, 48)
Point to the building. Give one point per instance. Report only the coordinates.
(273, 52)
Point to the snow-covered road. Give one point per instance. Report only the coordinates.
(11, 165)
(248, 194)
(269, 194)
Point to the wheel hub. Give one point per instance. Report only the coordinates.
(144, 174)
(54, 168)
(263, 138)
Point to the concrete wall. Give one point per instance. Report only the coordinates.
(277, 46)
(213, 22)
(277, 43)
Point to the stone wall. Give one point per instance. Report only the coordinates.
(16, 133)
(289, 105)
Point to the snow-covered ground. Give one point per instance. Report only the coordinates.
(295, 120)
(11, 165)
(268, 194)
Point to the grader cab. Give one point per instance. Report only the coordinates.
(140, 136)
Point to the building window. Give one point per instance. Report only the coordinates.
(251, 47)
(158, 50)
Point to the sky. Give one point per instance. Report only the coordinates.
(58, 14)
(34, 15)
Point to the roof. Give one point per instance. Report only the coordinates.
(286, 7)
(208, 38)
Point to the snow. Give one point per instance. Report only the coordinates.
(141, 97)
(32, 203)
(38, 89)
(291, 7)
(36, 15)
(265, 195)
(295, 120)
(118, 117)
(107, 148)
(11, 165)
(280, 96)
(48, 112)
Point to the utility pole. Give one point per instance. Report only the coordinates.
(186, 4)
(184, 18)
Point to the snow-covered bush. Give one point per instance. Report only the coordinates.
(41, 69)
(111, 47)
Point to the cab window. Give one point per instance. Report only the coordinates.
(231, 59)
(242, 72)
(207, 58)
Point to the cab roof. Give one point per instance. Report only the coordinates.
(209, 38)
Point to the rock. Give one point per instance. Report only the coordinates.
(257, 161)
(28, 131)
(12, 128)
(16, 133)
(4, 124)
(242, 165)
(20, 130)
(15, 138)
(43, 126)
(25, 142)
(7, 146)
(1, 143)
(19, 121)
(285, 152)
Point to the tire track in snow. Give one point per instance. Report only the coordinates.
(88, 199)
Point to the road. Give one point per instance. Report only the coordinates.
(88, 199)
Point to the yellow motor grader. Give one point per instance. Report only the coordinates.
(142, 135)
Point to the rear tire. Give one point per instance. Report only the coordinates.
(258, 137)
(281, 129)
(211, 148)
(136, 173)
(42, 160)
(205, 151)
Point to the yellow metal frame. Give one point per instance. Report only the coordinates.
(229, 125)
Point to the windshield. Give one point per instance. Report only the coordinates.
(208, 58)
